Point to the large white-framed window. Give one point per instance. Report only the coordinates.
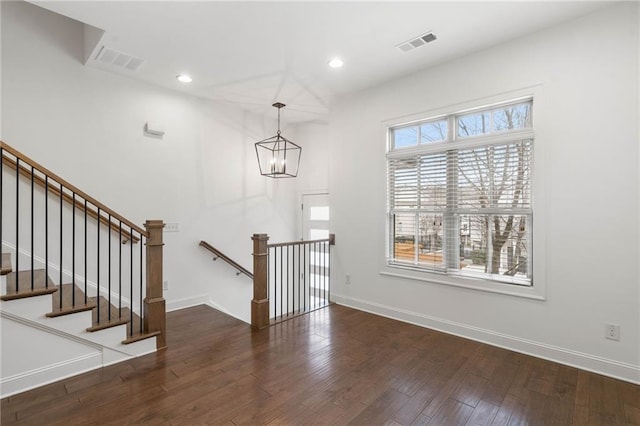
(459, 193)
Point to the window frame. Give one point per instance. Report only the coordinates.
(537, 288)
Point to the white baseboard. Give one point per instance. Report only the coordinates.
(188, 302)
(607, 367)
(42, 376)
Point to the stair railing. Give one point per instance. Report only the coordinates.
(90, 245)
(220, 255)
(290, 279)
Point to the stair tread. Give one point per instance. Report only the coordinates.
(6, 264)
(134, 334)
(68, 307)
(41, 284)
(140, 336)
(117, 317)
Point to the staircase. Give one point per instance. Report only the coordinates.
(70, 300)
(74, 272)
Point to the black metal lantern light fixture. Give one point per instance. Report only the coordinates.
(278, 157)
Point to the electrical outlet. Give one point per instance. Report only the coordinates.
(612, 331)
(347, 279)
(172, 227)
(165, 285)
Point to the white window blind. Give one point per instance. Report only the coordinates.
(462, 206)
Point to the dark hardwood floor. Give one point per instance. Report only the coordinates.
(335, 366)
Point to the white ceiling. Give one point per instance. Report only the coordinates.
(255, 53)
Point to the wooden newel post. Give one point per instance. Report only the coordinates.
(260, 302)
(154, 303)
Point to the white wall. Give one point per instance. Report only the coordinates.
(87, 126)
(44, 357)
(588, 71)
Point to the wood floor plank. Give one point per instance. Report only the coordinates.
(335, 366)
(530, 409)
(507, 408)
(581, 400)
(484, 414)
(605, 404)
(412, 410)
(498, 385)
(451, 385)
(381, 409)
(470, 390)
(630, 395)
(560, 405)
(451, 412)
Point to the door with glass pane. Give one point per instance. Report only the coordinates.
(315, 216)
(315, 226)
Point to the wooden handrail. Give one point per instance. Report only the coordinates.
(237, 266)
(64, 184)
(91, 212)
(331, 240)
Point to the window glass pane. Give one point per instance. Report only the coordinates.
(433, 181)
(403, 175)
(404, 241)
(319, 213)
(511, 175)
(474, 124)
(495, 176)
(473, 244)
(430, 234)
(510, 245)
(405, 136)
(473, 178)
(433, 132)
(512, 117)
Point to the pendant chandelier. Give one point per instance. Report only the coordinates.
(278, 157)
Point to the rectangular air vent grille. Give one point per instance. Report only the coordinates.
(111, 58)
(416, 42)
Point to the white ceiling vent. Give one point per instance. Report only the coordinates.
(416, 42)
(112, 59)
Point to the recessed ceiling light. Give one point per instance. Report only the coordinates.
(336, 63)
(184, 78)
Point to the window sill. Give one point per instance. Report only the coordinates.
(406, 272)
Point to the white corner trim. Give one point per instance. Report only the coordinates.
(52, 373)
(217, 307)
(596, 364)
(205, 299)
(186, 302)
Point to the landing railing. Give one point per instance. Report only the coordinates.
(89, 249)
(290, 279)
